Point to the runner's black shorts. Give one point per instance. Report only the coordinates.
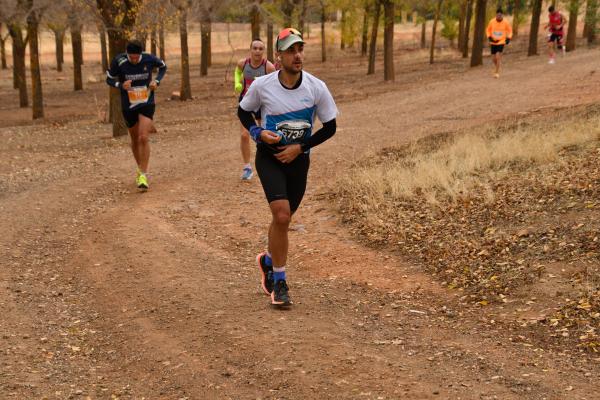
(255, 114)
(556, 38)
(282, 181)
(497, 48)
(132, 115)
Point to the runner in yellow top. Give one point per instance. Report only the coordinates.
(247, 70)
(499, 33)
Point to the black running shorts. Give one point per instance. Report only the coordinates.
(282, 181)
(132, 115)
(556, 38)
(497, 48)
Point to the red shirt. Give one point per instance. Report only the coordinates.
(556, 22)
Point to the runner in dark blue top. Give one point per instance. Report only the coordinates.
(132, 73)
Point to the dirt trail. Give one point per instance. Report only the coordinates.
(107, 293)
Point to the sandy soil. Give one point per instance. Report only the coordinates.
(109, 293)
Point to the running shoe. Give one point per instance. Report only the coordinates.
(280, 296)
(496, 75)
(552, 61)
(266, 273)
(247, 174)
(142, 182)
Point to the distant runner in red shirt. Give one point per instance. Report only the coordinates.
(556, 26)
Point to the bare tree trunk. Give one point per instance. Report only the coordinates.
(585, 23)
(438, 9)
(461, 23)
(205, 28)
(287, 7)
(37, 100)
(572, 32)
(161, 40)
(19, 71)
(116, 45)
(3, 48)
(323, 37)
(14, 69)
(591, 19)
(424, 33)
(103, 47)
(143, 38)
(302, 16)
(59, 40)
(388, 41)
(153, 41)
(516, 16)
(535, 27)
(210, 46)
(77, 56)
(365, 31)
(343, 30)
(478, 33)
(255, 21)
(186, 89)
(270, 41)
(3, 52)
(465, 41)
(374, 33)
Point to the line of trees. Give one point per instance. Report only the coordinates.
(360, 24)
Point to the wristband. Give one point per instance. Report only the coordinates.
(255, 132)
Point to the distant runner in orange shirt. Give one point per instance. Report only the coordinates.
(499, 33)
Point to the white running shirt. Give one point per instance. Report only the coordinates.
(290, 111)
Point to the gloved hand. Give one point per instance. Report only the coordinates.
(238, 87)
(492, 40)
(507, 41)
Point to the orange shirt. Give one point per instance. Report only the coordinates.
(499, 31)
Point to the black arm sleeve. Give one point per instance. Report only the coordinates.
(112, 75)
(323, 134)
(246, 118)
(162, 69)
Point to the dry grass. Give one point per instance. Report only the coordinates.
(513, 205)
(465, 162)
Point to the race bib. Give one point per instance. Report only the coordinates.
(138, 95)
(294, 130)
